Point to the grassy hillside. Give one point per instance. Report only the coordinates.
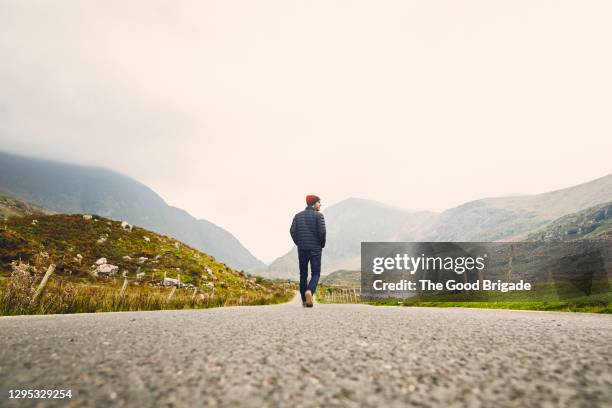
(75, 243)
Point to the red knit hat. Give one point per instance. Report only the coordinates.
(312, 199)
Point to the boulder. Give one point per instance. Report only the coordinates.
(87, 217)
(106, 270)
(101, 261)
(147, 239)
(126, 226)
(170, 282)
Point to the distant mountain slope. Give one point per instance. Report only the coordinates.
(500, 218)
(555, 204)
(491, 219)
(593, 223)
(11, 207)
(68, 188)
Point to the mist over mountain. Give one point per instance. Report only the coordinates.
(68, 188)
(490, 219)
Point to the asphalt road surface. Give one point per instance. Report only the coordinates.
(330, 355)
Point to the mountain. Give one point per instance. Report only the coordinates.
(490, 219)
(68, 188)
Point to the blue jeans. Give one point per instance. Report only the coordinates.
(314, 257)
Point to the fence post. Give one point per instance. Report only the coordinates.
(43, 282)
(123, 288)
(171, 293)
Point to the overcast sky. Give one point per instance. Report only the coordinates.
(235, 110)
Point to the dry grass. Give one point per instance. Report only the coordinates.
(59, 296)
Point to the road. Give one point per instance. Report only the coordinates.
(330, 355)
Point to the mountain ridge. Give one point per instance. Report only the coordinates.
(71, 188)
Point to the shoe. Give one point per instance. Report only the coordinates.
(309, 299)
(304, 304)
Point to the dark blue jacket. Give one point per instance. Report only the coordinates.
(308, 229)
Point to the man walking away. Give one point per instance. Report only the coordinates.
(308, 233)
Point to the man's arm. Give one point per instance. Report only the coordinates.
(321, 229)
(293, 231)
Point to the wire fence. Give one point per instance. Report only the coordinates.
(339, 294)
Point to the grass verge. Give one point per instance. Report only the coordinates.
(597, 303)
(61, 296)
